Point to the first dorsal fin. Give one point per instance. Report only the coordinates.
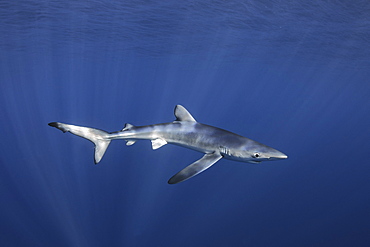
(182, 114)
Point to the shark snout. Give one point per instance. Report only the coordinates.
(278, 156)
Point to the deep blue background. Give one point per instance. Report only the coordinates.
(293, 75)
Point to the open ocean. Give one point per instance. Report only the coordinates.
(294, 75)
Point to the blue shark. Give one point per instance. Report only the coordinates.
(185, 131)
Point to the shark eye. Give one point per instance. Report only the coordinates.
(256, 155)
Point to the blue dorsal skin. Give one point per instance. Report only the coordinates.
(185, 131)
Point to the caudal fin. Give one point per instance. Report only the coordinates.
(98, 137)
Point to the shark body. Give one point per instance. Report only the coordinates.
(185, 131)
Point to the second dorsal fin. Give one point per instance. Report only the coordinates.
(127, 127)
(182, 114)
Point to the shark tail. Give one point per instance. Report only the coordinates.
(99, 137)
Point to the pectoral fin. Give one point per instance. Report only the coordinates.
(197, 167)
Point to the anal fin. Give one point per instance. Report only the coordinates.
(130, 142)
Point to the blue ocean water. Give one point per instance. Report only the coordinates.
(293, 75)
